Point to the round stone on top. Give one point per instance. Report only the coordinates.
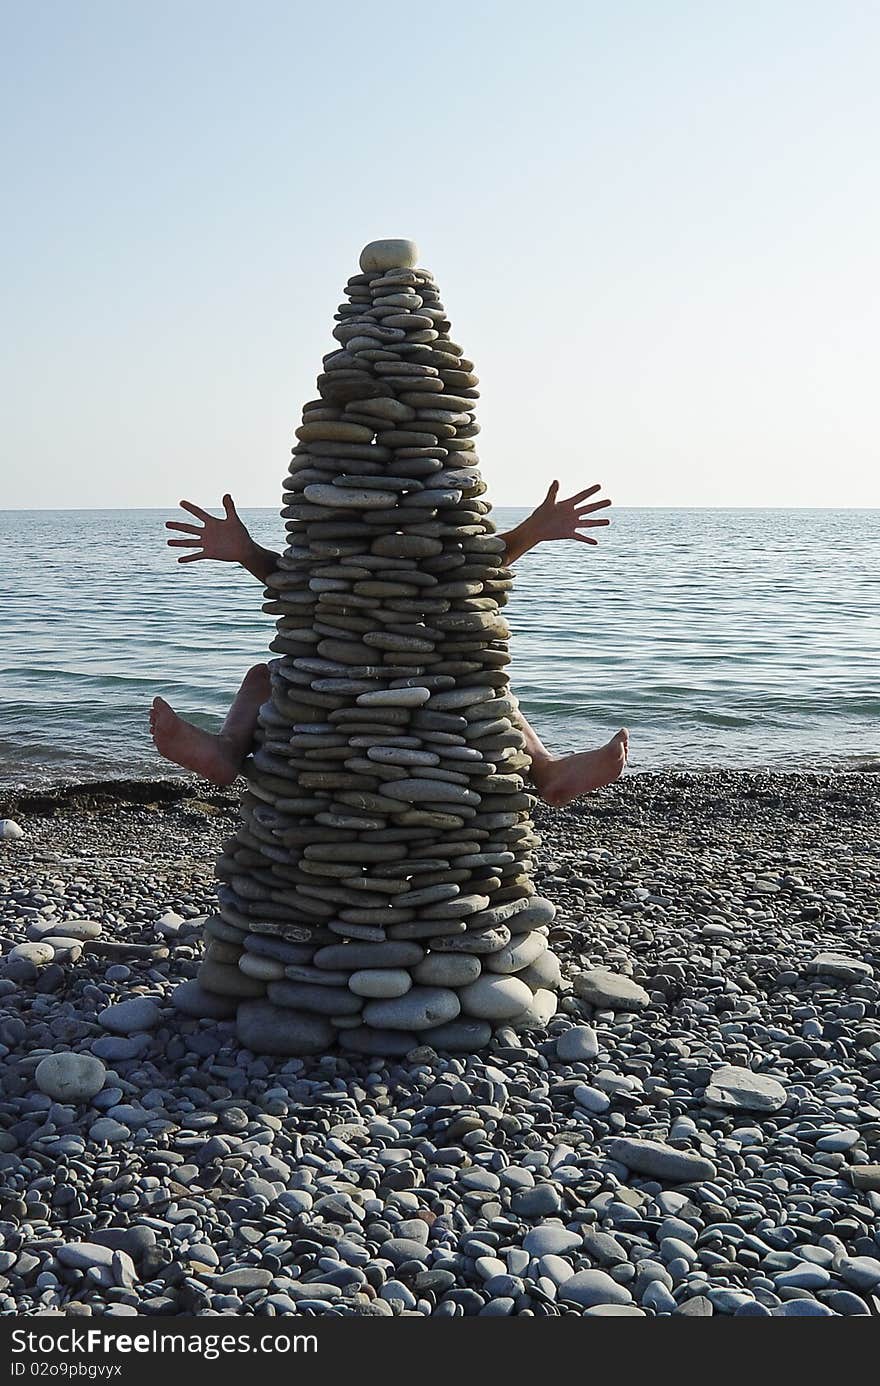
(389, 255)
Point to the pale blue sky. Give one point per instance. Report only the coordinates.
(655, 224)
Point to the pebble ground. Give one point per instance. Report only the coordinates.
(201, 1178)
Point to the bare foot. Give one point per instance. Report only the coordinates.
(560, 779)
(212, 757)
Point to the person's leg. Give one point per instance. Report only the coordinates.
(217, 756)
(559, 779)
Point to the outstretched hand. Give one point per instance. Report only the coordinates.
(564, 519)
(226, 540)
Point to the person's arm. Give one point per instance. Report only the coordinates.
(555, 519)
(226, 540)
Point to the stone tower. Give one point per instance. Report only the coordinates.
(377, 894)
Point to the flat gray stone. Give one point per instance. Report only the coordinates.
(420, 1009)
(536, 912)
(742, 1090)
(400, 1249)
(268, 946)
(110, 1130)
(519, 953)
(421, 791)
(840, 965)
(610, 991)
(595, 1287)
(580, 1044)
(369, 955)
(862, 1272)
(127, 1017)
(346, 497)
(329, 1001)
(24, 961)
(260, 968)
(478, 943)
(551, 1239)
(64, 950)
(495, 997)
(114, 1267)
(447, 970)
(81, 929)
(660, 1161)
(394, 697)
(70, 1077)
(244, 1279)
(383, 983)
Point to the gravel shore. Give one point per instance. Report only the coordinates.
(697, 1131)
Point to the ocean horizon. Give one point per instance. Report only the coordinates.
(724, 637)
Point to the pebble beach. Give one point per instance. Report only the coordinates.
(695, 1132)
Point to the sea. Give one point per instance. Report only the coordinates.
(721, 638)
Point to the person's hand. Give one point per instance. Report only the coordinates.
(564, 519)
(226, 540)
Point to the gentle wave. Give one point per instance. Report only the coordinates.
(721, 638)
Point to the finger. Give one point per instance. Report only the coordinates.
(196, 510)
(552, 493)
(184, 529)
(591, 524)
(229, 507)
(582, 495)
(581, 539)
(185, 543)
(594, 505)
(191, 557)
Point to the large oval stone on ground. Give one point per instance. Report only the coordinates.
(268, 1029)
(25, 960)
(610, 991)
(659, 1161)
(839, 965)
(70, 1077)
(589, 1287)
(127, 1017)
(81, 929)
(580, 1044)
(741, 1090)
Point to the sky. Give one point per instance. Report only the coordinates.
(654, 223)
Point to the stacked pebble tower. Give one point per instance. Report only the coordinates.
(377, 895)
